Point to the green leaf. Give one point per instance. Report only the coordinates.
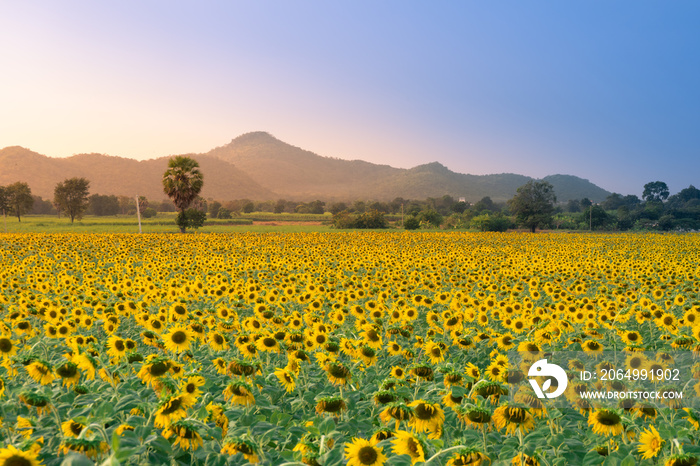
(629, 461)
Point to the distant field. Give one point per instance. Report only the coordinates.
(165, 223)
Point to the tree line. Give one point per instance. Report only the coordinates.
(533, 206)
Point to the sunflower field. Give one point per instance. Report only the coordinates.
(357, 348)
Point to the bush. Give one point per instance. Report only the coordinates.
(192, 218)
(224, 213)
(411, 223)
(367, 220)
(149, 212)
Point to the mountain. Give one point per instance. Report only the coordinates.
(260, 167)
(298, 174)
(121, 176)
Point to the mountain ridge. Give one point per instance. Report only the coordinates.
(259, 166)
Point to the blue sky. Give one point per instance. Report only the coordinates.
(604, 90)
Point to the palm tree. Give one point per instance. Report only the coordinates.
(182, 182)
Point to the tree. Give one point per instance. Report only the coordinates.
(182, 182)
(19, 199)
(4, 207)
(71, 197)
(656, 191)
(533, 205)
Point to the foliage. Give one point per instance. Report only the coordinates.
(371, 219)
(182, 182)
(655, 191)
(71, 197)
(223, 213)
(190, 218)
(18, 199)
(149, 212)
(103, 205)
(533, 205)
(411, 223)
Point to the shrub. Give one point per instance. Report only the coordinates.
(191, 218)
(149, 212)
(223, 213)
(411, 223)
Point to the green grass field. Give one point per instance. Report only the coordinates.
(165, 223)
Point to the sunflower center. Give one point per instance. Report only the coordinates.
(16, 460)
(412, 446)
(367, 455)
(269, 342)
(516, 415)
(5, 345)
(218, 339)
(66, 371)
(608, 419)
(172, 406)
(158, 369)
(179, 337)
(425, 412)
(76, 428)
(119, 345)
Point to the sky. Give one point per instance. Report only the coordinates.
(604, 90)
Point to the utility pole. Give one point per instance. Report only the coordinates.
(590, 217)
(138, 212)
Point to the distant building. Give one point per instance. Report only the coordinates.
(463, 199)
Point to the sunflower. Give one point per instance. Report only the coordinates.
(474, 416)
(451, 400)
(606, 422)
(681, 460)
(92, 448)
(8, 348)
(286, 378)
(397, 411)
(154, 368)
(382, 433)
(116, 347)
(11, 456)
(405, 443)
(692, 417)
(40, 371)
(34, 400)
(650, 443)
(434, 352)
(333, 405)
(186, 435)
(72, 428)
(469, 457)
(244, 447)
(368, 355)
(240, 393)
(220, 365)
(631, 338)
(69, 373)
(178, 339)
(192, 384)
(361, 452)
(267, 344)
(427, 417)
(513, 418)
(217, 341)
(473, 371)
(338, 373)
(592, 346)
(522, 459)
(172, 409)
